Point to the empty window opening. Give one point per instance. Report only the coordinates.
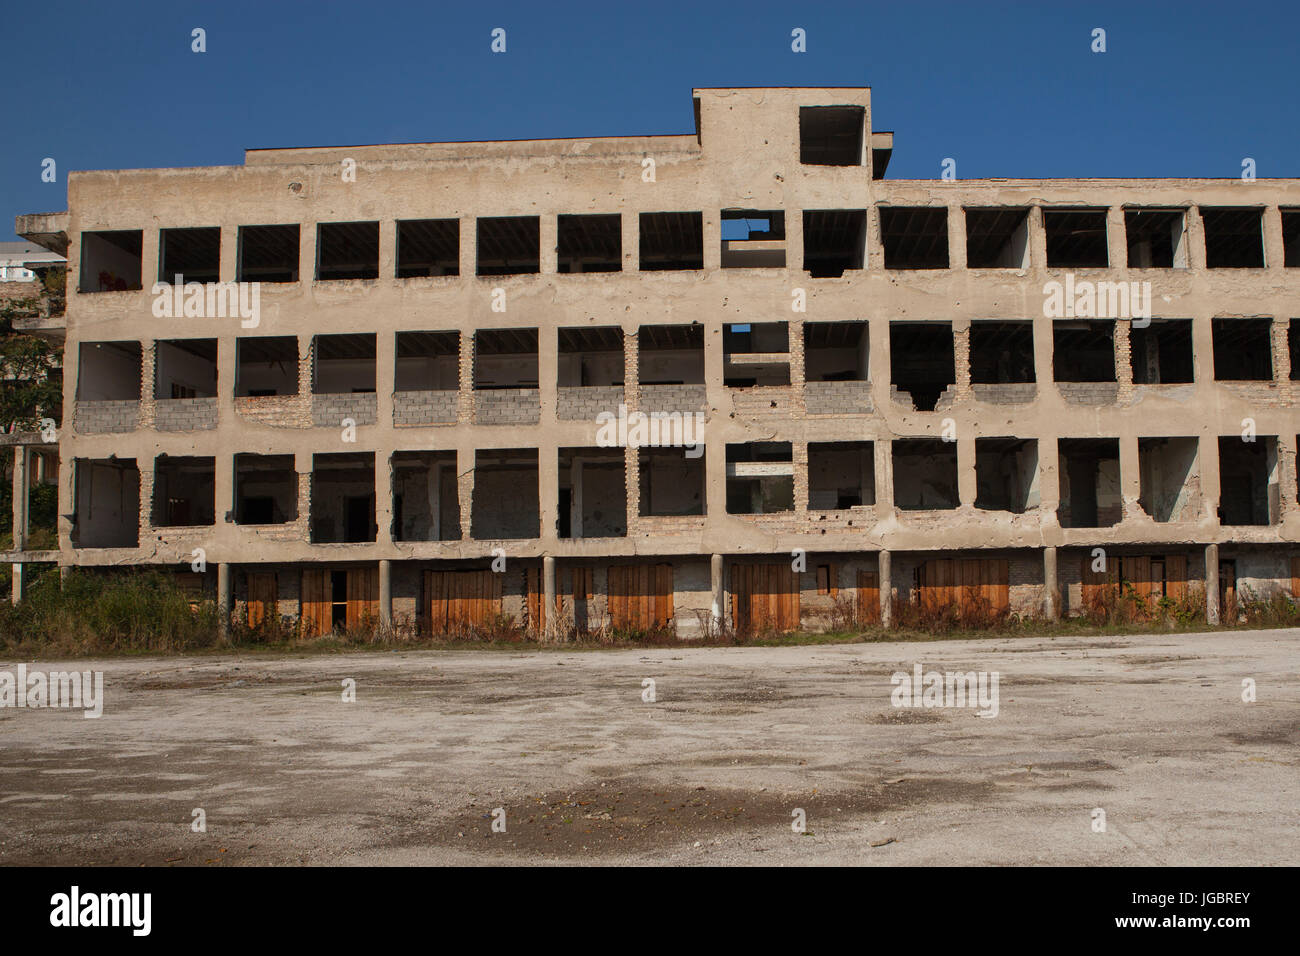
(344, 363)
(593, 493)
(184, 491)
(671, 482)
(1006, 474)
(756, 353)
(925, 474)
(753, 239)
(1243, 350)
(836, 352)
(672, 240)
(189, 255)
(590, 357)
(269, 253)
(997, 238)
(109, 371)
(509, 245)
(266, 489)
(922, 361)
(426, 503)
(505, 358)
(1161, 353)
(831, 135)
(1157, 238)
(185, 368)
(1293, 346)
(427, 362)
(1291, 238)
(266, 365)
(1234, 237)
(1170, 479)
(1001, 353)
(428, 247)
(841, 475)
(914, 237)
(833, 240)
(1076, 238)
(589, 243)
(107, 503)
(111, 261)
(760, 478)
(1090, 489)
(671, 354)
(1083, 351)
(343, 498)
(505, 503)
(1249, 488)
(347, 250)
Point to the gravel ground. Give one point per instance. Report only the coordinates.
(1151, 729)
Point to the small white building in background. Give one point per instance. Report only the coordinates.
(19, 260)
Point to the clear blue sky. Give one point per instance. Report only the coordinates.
(1007, 89)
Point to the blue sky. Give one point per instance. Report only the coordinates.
(1007, 89)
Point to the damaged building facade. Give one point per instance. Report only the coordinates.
(408, 425)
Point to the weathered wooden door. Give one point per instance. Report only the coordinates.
(869, 597)
(456, 601)
(764, 597)
(965, 583)
(362, 597)
(317, 601)
(640, 596)
(262, 598)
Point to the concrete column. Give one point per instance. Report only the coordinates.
(549, 239)
(875, 257)
(1212, 583)
(17, 582)
(387, 249)
(385, 377)
(19, 502)
(307, 252)
(548, 595)
(227, 368)
(1037, 250)
(883, 449)
(149, 249)
(385, 593)
(956, 237)
(383, 496)
(468, 245)
(1051, 587)
(712, 238)
(716, 604)
(466, 456)
(885, 579)
(64, 571)
(630, 224)
(967, 486)
(794, 244)
(715, 454)
(1274, 247)
(228, 264)
(1196, 251)
(548, 490)
(224, 594)
(1116, 238)
(1130, 476)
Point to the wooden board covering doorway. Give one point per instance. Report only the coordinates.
(456, 601)
(640, 596)
(263, 597)
(966, 583)
(764, 597)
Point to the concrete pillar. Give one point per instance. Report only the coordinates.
(1212, 584)
(387, 249)
(549, 240)
(149, 259)
(1130, 476)
(1037, 251)
(307, 252)
(1116, 238)
(228, 261)
(383, 496)
(1274, 246)
(17, 582)
(385, 377)
(385, 593)
(711, 228)
(1196, 251)
(19, 502)
(885, 579)
(548, 595)
(468, 245)
(883, 449)
(967, 487)
(224, 595)
(956, 237)
(716, 606)
(630, 224)
(64, 571)
(1051, 587)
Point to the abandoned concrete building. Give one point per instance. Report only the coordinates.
(412, 422)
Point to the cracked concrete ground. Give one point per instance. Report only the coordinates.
(1150, 728)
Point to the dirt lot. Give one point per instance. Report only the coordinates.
(1150, 729)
